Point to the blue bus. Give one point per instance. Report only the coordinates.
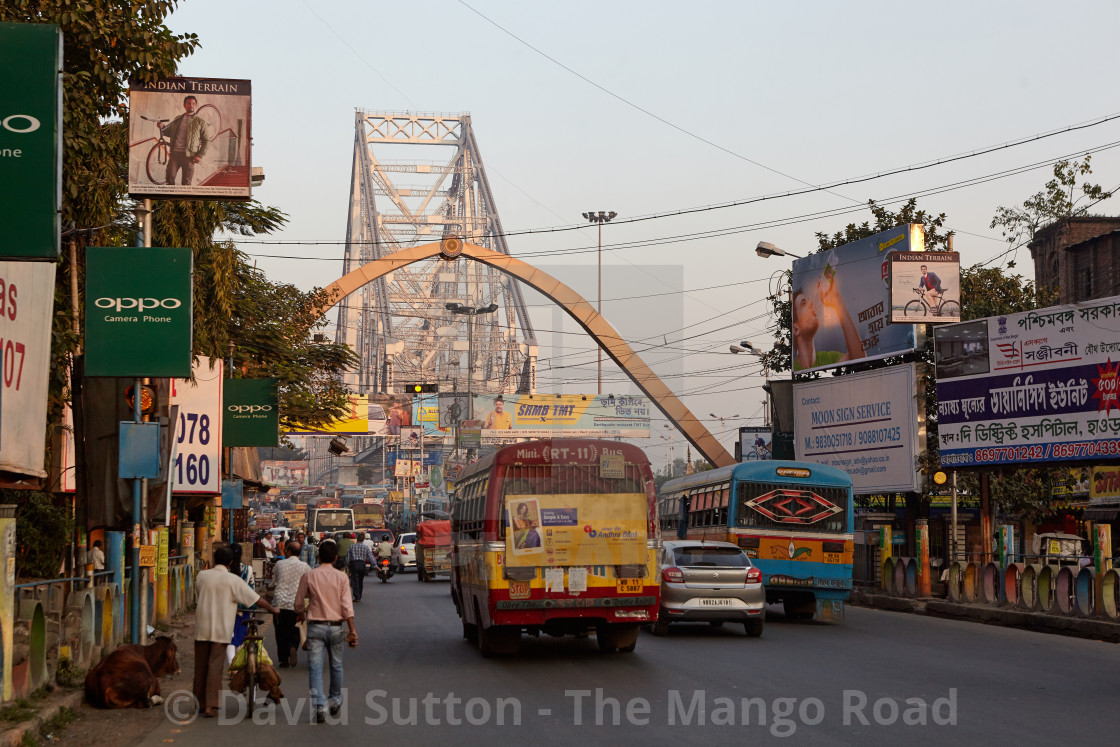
(793, 519)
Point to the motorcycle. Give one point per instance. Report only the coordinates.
(385, 569)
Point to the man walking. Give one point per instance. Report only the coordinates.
(189, 138)
(330, 606)
(358, 559)
(287, 574)
(307, 550)
(218, 593)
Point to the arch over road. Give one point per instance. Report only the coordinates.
(583, 312)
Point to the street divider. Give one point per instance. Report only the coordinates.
(1013, 584)
(1084, 591)
(888, 575)
(1110, 594)
(81, 623)
(33, 619)
(971, 582)
(1028, 586)
(1063, 589)
(956, 580)
(989, 583)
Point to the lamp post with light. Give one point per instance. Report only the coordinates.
(746, 347)
(471, 312)
(766, 249)
(600, 217)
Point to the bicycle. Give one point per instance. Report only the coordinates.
(921, 307)
(253, 641)
(160, 152)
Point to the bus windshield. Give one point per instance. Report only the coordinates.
(333, 520)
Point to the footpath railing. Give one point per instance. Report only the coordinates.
(80, 619)
(1039, 583)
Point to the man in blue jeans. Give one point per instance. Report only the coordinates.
(330, 607)
(358, 558)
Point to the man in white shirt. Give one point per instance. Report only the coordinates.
(218, 593)
(97, 556)
(286, 575)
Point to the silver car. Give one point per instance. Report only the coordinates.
(713, 582)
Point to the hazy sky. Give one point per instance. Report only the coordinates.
(666, 107)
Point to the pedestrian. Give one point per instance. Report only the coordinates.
(286, 575)
(359, 558)
(330, 605)
(307, 552)
(218, 592)
(97, 555)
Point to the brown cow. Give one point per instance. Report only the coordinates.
(130, 675)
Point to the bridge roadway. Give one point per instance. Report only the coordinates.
(857, 683)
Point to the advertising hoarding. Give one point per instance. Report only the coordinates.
(562, 415)
(198, 447)
(30, 139)
(1034, 386)
(139, 312)
(189, 138)
(756, 442)
(841, 302)
(26, 306)
(867, 424)
(925, 287)
(251, 413)
(452, 409)
(288, 474)
(575, 530)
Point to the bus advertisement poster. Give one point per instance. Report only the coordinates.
(576, 529)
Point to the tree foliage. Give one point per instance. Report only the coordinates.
(1062, 198)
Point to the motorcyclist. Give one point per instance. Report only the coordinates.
(385, 547)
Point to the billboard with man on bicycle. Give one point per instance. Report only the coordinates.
(189, 138)
(925, 287)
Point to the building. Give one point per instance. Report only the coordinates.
(1080, 257)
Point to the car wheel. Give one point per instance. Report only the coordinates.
(659, 626)
(470, 632)
(498, 640)
(754, 627)
(617, 637)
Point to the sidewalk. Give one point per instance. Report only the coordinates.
(96, 726)
(1041, 622)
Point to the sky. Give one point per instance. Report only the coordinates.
(679, 117)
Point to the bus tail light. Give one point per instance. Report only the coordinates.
(754, 576)
(672, 575)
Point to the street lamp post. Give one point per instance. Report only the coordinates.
(746, 347)
(600, 217)
(471, 312)
(766, 249)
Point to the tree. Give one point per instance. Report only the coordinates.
(1062, 198)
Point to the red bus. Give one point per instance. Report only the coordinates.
(556, 536)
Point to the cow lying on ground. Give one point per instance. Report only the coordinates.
(130, 675)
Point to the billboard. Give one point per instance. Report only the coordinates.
(755, 443)
(286, 474)
(841, 302)
(925, 287)
(1034, 386)
(562, 415)
(251, 413)
(372, 415)
(139, 311)
(30, 139)
(197, 460)
(26, 308)
(189, 138)
(867, 424)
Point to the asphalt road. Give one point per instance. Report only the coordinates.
(879, 678)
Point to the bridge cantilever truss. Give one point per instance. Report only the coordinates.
(400, 325)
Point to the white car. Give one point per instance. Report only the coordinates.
(406, 543)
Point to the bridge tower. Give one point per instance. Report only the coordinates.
(400, 325)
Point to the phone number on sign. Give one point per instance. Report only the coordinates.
(1072, 450)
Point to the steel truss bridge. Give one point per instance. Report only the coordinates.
(399, 324)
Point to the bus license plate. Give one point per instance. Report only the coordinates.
(715, 602)
(630, 586)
